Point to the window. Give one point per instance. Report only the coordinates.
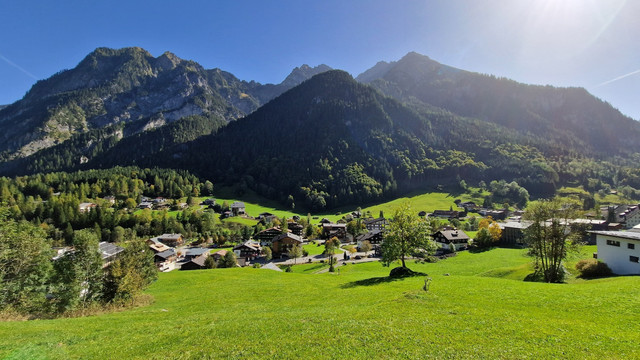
(613, 243)
(634, 259)
(631, 246)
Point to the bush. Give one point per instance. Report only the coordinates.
(592, 268)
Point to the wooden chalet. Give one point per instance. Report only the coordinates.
(265, 236)
(249, 250)
(448, 214)
(195, 264)
(295, 228)
(282, 243)
(338, 230)
(172, 240)
(238, 208)
(447, 237)
(376, 224)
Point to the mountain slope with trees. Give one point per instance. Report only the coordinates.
(571, 117)
(125, 86)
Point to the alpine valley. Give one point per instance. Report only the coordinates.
(320, 138)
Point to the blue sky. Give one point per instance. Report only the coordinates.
(585, 43)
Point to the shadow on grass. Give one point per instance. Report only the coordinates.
(478, 250)
(380, 280)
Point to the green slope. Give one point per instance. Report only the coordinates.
(254, 313)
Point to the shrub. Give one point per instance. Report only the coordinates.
(592, 268)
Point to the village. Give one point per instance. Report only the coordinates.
(615, 231)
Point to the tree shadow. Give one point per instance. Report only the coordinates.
(478, 250)
(379, 280)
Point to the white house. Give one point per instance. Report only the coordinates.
(620, 250)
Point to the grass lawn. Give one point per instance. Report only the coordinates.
(481, 309)
(314, 249)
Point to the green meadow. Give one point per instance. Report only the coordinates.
(477, 306)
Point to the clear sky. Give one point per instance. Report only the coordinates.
(586, 43)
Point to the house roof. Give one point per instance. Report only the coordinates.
(287, 235)
(629, 235)
(368, 235)
(334, 226)
(248, 244)
(169, 236)
(166, 254)
(196, 251)
(237, 204)
(199, 260)
(222, 252)
(452, 235)
(515, 225)
(271, 266)
(108, 249)
(372, 221)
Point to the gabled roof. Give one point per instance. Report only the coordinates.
(248, 244)
(166, 254)
(237, 204)
(372, 221)
(108, 249)
(196, 251)
(629, 235)
(453, 235)
(198, 260)
(271, 266)
(170, 236)
(222, 252)
(368, 235)
(287, 235)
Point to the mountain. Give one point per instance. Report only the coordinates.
(125, 86)
(570, 116)
(332, 141)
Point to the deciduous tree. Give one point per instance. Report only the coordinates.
(405, 235)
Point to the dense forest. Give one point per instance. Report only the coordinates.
(52, 203)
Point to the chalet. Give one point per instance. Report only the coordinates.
(373, 236)
(265, 236)
(159, 200)
(192, 253)
(209, 202)
(447, 237)
(171, 240)
(496, 214)
(266, 217)
(620, 250)
(282, 243)
(145, 205)
(295, 228)
(376, 224)
(156, 246)
(110, 199)
(219, 254)
(584, 225)
(448, 214)
(249, 250)
(337, 230)
(166, 260)
(85, 207)
(109, 252)
(325, 221)
(468, 205)
(513, 232)
(195, 263)
(237, 208)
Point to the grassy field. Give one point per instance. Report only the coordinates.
(419, 201)
(477, 307)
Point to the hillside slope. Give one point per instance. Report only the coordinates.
(124, 86)
(567, 116)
